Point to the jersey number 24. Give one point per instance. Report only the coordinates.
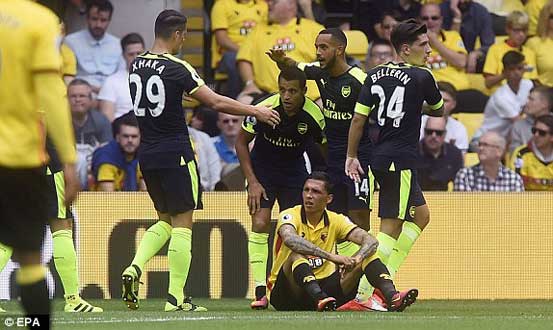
(394, 107)
(156, 98)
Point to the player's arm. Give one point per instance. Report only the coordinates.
(255, 189)
(302, 246)
(367, 243)
(279, 57)
(222, 103)
(434, 103)
(353, 166)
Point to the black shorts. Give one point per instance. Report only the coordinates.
(23, 208)
(56, 197)
(286, 197)
(350, 195)
(283, 299)
(174, 190)
(400, 194)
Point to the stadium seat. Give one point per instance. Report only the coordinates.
(471, 121)
(471, 159)
(358, 44)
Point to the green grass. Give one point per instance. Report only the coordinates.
(235, 314)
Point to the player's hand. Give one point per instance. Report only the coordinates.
(276, 54)
(267, 115)
(255, 193)
(472, 58)
(72, 185)
(346, 262)
(353, 169)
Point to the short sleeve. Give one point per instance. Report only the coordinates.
(46, 45)
(344, 227)
(312, 70)
(491, 65)
(250, 124)
(365, 103)
(432, 94)
(191, 79)
(107, 173)
(69, 61)
(288, 217)
(219, 19)
(457, 44)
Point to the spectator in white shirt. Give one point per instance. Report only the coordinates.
(98, 53)
(505, 105)
(115, 96)
(456, 133)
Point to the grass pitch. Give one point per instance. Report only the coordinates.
(235, 314)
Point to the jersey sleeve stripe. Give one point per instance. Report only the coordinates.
(303, 65)
(190, 69)
(358, 74)
(315, 112)
(437, 105)
(362, 109)
(248, 128)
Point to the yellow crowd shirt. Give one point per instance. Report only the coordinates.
(29, 43)
(332, 228)
(543, 48)
(536, 174)
(112, 173)
(297, 38)
(69, 61)
(494, 64)
(533, 8)
(238, 18)
(441, 69)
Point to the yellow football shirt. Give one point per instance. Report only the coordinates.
(238, 18)
(533, 8)
(441, 69)
(494, 64)
(29, 44)
(112, 173)
(297, 38)
(332, 228)
(535, 174)
(69, 61)
(543, 48)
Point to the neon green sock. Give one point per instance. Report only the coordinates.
(385, 245)
(347, 248)
(258, 251)
(5, 255)
(180, 257)
(405, 242)
(65, 260)
(153, 240)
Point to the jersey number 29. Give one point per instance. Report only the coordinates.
(394, 109)
(156, 98)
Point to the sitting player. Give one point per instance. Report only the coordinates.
(304, 275)
(276, 169)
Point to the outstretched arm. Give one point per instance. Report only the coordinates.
(279, 57)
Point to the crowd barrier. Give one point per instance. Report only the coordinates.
(477, 246)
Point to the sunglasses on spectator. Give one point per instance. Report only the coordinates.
(427, 18)
(234, 121)
(438, 132)
(487, 145)
(540, 132)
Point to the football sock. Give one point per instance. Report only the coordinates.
(5, 255)
(258, 251)
(180, 256)
(34, 291)
(385, 245)
(65, 259)
(347, 248)
(378, 276)
(303, 275)
(153, 240)
(405, 242)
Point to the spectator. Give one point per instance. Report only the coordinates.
(295, 35)
(231, 22)
(456, 133)
(449, 56)
(533, 9)
(489, 174)
(207, 158)
(380, 51)
(542, 45)
(115, 165)
(224, 143)
(312, 10)
(499, 9)
(540, 103)
(517, 30)
(383, 28)
(405, 9)
(505, 105)
(98, 53)
(91, 127)
(440, 160)
(473, 22)
(534, 161)
(115, 95)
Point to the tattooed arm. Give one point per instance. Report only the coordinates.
(368, 244)
(299, 244)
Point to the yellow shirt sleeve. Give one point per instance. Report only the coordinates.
(69, 61)
(343, 227)
(530, 60)
(289, 217)
(491, 65)
(107, 173)
(456, 43)
(46, 53)
(219, 19)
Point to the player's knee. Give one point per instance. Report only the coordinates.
(261, 224)
(422, 217)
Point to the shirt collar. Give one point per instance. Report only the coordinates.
(326, 221)
(92, 41)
